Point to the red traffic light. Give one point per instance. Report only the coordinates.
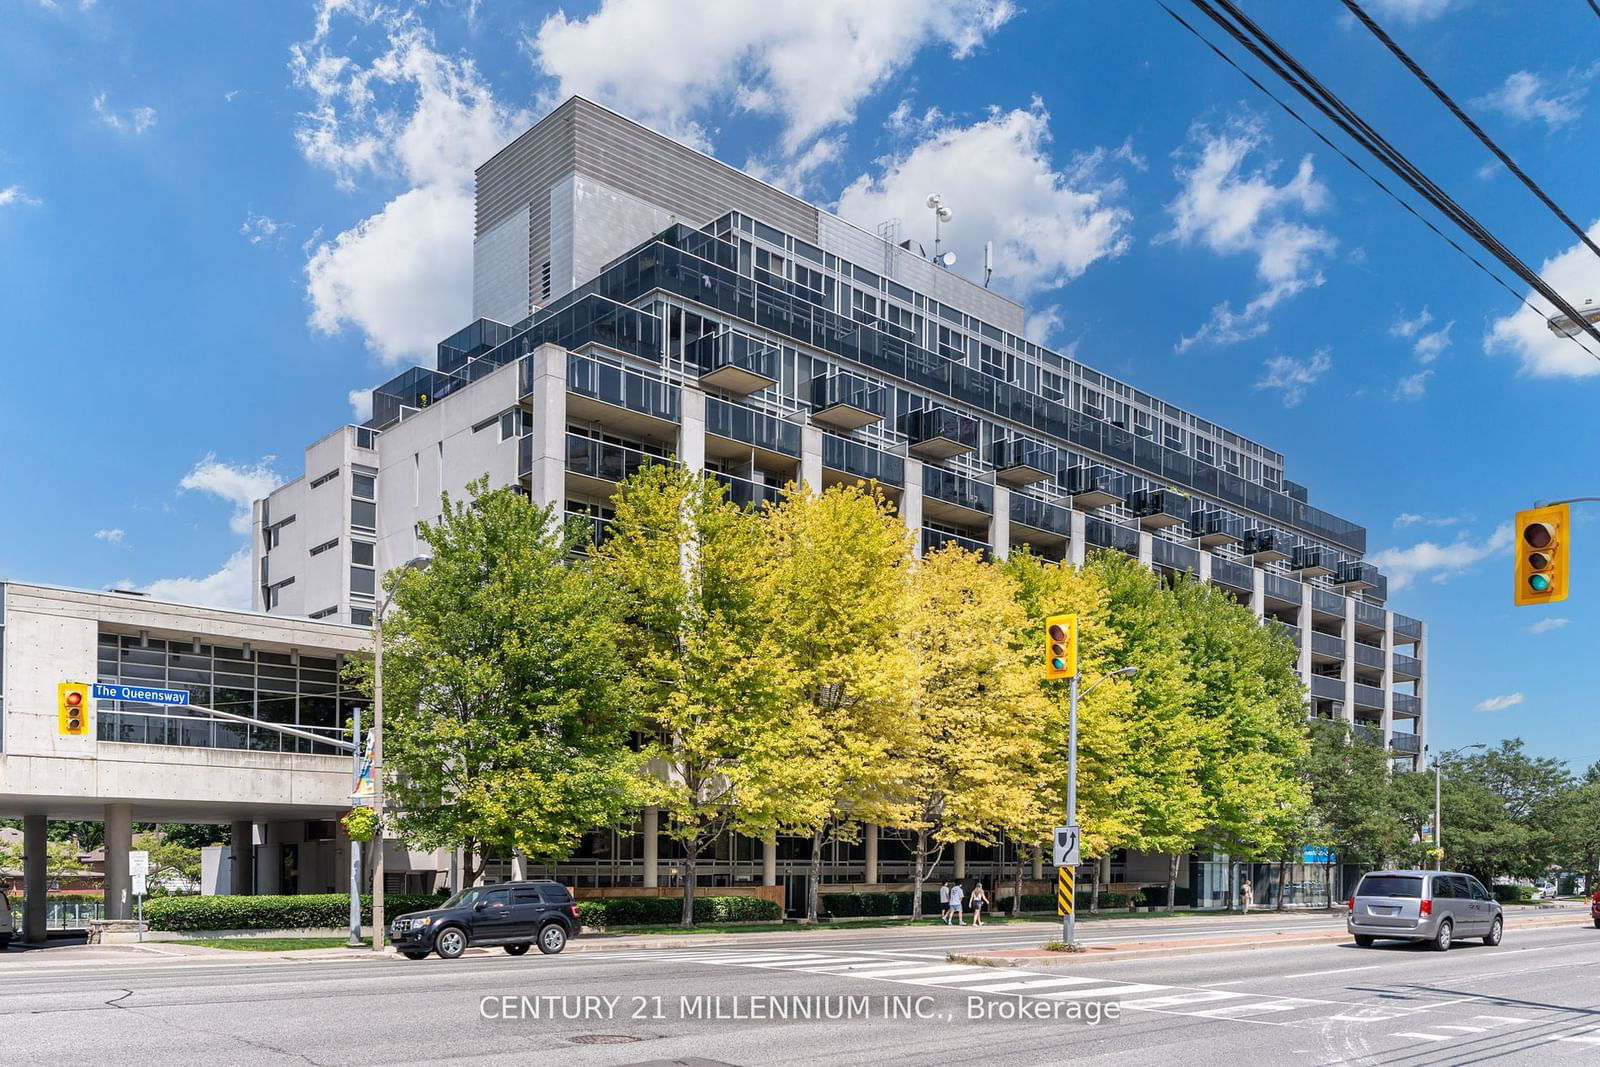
(74, 698)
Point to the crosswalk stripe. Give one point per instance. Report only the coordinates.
(1099, 991)
(1258, 1007)
(1500, 1018)
(896, 970)
(1177, 999)
(950, 979)
(1037, 983)
(1464, 1029)
(839, 962)
(1425, 1037)
(816, 957)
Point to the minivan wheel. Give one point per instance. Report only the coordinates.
(515, 950)
(1497, 929)
(552, 939)
(411, 955)
(1365, 940)
(450, 942)
(1441, 940)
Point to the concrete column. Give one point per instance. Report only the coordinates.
(1205, 565)
(519, 867)
(241, 846)
(1421, 652)
(1303, 620)
(119, 842)
(549, 399)
(870, 833)
(652, 841)
(811, 457)
(1000, 523)
(1258, 592)
(911, 503)
(269, 866)
(1388, 677)
(1349, 665)
(1038, 864)
(35, 879)
(959, 858)
(1078, 547)
(1146, 548)
(692, 428)
(769, 862)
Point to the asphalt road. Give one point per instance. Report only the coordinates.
(1535, 999)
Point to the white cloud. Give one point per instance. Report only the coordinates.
(136, 120)
(1412, 386)
(1411, 518)
(1429, 345)
(1544, 626)
(1527, 97)
(238, 485)
(361, 404)
(228, 587)
(1048, 224)
(794, 175)
(1425, 345)
(1500, 703)
(1409, 328)
(1042, 323)
(1409, 10)
(1438, 562)
(1232, 208)
(403, 276)
(808, 63)
(112, 536)
(13, 194)
(258, 228)
(1294, 376)
(1575, 274)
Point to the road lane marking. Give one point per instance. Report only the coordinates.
(1038, 983)
(1341, 970)
(1099, 991)
(1421, 1036)
(1188, 998)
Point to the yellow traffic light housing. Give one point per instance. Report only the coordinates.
(72, 709)
(1542, 547)
(1061, 646)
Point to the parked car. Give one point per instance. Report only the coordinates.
(1438, 907)
(513, 915)
(8, 929)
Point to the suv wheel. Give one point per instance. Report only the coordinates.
(450, 942)
(1441, 940)
(516, 950)
(1497, 929)
(414, 955)
(552, 939)
(1365, 940)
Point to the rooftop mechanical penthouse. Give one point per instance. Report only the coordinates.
(636, 300)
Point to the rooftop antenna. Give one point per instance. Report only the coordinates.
(988, 262)
(941, 215)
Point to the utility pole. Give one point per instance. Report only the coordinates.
(1069, 920)
(355, 846)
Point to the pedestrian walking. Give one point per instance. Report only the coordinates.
(1248, 895)
(980, 901)
(956, 893)
(944, 903)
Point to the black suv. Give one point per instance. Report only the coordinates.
(513, 915)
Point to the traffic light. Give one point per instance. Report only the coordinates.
(1061, 646)
(72, 709)
(1542, 555)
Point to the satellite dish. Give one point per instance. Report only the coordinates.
(945, 214)
(934, 200)
(946, 259)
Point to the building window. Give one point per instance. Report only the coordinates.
(325, 546)
(324, 613)
(325, 479)
(361, 553)
(271, 535)
(361, 616)
(544, 281)
(363, 514)
(363, 581)
(363, 486)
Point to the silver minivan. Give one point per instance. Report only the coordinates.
(1434, 906)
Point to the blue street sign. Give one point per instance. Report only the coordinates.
(139, 695)
(1317, 854)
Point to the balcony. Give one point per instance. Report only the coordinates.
(1367, 655)
(1041, 515)
(863, 461)
(1326, 688)
(960, 492)
(1101, 534)
(1312, 561)
(733, 362)
(1175, 557)
(600, 465)
(1327, 602)
(1371, 733)
(1407, 706)
(1266, 546)
(1409, 744)
(1327, 645)
(525, 455)
(735, 422)
(1287, 627)
(1369, 615)
(747, 493)
(1354, 576)
(595, 532)
(1213, 527)
(845, 402)
(622, 399)
(933, 540)
(1233, 575)
(1157, 509)
(1095, 486)
(1020, 461)
(1407, 668)
(939, 433)
(1369, 697)
(1277, 587)
(1408, 628)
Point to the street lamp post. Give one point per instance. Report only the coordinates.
(1069, 919)
(418, 563)
(1438, 831)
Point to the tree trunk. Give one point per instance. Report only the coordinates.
(1283, 882)
(919, 874)
(814, 876)
(1172, 880)
(1233, 869)
(691, 860)
(1330, 886)
(1094, 890)
(1016, 890)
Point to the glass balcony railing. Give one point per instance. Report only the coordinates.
(1041, 514)
(1407, 666)
(732, 361)
(1313, 559)
(1369, 614)
(1094, 486)
(596, 530)
(1407, 705)
(747, 493)
(1180, 558)
(1020, 461)
(1278, 587)
(623, 388)
(525, 455)
(1372, 735)
(1159, 507)
(1327, 644)
(957, 489)
(1369, 696)
(1407, 627)
(1327, 601)
(1355, 575)
(1214, 526)
(603, 460)
(1410, 744)
(1231, 574)
(1268, 543)
(1367, 655)
(933, 540)
(1287, 627)
(1102, 534)
(847, 401)
(938, 433)
(739, 423)
(863, 461)
(1325, 688)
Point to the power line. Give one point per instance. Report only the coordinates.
(1595, 7)
(1374, 179)
(1466, 120)
(1290, 70)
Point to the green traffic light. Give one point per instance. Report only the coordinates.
(1058, 664)
(1539, 583)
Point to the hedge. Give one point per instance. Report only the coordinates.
(312, 910)
(668, 911)
(1513, 894)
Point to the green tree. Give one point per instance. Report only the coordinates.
(169, 857)
(974, 757)
(61, 858)
(1357, 809)
(1529, 789)
(834, 588)
(1576, 826)
(196, 835)
(688, 561)
(507, 701)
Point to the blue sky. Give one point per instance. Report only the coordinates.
(219, 223)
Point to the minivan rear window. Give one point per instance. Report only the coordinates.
(1388, 885)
